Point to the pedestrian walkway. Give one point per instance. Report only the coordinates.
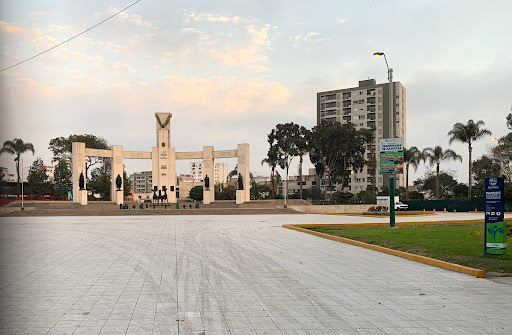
(237, 274)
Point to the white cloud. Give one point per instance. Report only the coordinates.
(341, 20)
(308, 37)
(130, 18)
(209, 17)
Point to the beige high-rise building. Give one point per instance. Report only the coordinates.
(221, 172)
(366, 106)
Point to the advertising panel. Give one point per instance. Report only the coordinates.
(391, 153)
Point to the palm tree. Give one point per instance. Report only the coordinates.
(368, 136)
(435, 156)
(303, 145)
(272, 161)
(17, 147)
(468, 133)
(412, 157)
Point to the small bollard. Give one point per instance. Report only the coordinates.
(423, 209)
(120, 206)
(141, 206)
(197, 205)
(165, 206)
(184, 207)
(455, 211)
(146, 205)
(475, 210)
(434, 210)
(190, 206)
(153, 206)
(445, 210)
(177, 206)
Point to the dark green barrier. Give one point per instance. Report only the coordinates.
(450, 205)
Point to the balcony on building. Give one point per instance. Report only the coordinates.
(330, 97)
(346, 111)
(347, 95)
(347, 103)
(370, 124)
(371, 100)
(370, 116)
(371, 92)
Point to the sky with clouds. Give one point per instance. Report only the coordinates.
(229, 71)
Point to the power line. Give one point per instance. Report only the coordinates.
(83, 32)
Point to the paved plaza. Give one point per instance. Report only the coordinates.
(228, 275)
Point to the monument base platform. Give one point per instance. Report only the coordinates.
(207, 197)
(240, 197)
(82, 197)
(119, 197)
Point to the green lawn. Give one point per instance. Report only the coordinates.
(460, 243)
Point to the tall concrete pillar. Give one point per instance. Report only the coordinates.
(243, 168)
(209, 170)
(78, 166)
(171, 193)
(117, 169)
(164, 157)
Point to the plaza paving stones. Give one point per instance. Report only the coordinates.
(227, 275)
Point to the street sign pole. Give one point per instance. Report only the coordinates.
(392, 201)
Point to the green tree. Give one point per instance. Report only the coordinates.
(415, 195)
(196, 193)
(17, 147)
(503, 152)
(272, 161)
(100, 181)
(368, 136)
(435, 156)
(441, 182)
(509, 120)
(485, 167)
(303, 143)
(227, 192)
(343, 197)
(38, 179)
(460, 191)
(336, 150)
(284, 140)
(61, 148)
(62, 177)
(468, 133)
(259, 192)
(412, 157)
(127, 184)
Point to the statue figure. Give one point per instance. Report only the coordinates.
(119, 182)
(240, 182)
(164, 197)
(81, 181)
(160, 197)
(155, 197)
(207, 182)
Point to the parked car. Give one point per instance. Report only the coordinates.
(400, 206)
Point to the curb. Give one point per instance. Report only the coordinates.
(422, 259)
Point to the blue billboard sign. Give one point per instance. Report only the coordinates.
(494, 200)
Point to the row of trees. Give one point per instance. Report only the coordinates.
(338, 149)
(100, 177)
(334, 149)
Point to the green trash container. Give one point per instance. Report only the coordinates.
(120, 206)
(496, 238)
(177, 206)
(197, 205)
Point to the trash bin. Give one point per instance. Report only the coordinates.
(496, 238)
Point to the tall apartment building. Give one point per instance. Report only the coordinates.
(366, 106)
(142, 182)
(221, 172)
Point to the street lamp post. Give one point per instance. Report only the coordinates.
(391, 135)
(499, 150)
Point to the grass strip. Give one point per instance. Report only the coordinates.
(459, 243)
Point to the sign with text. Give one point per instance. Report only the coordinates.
(494, 200)
(391, 153)
(495, 227)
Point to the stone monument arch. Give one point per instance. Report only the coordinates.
(163, 158)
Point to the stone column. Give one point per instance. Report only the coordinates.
(208, 169)
(77, 166)
(117, 169)
(171, 189)
(243, 168)
(154, 167)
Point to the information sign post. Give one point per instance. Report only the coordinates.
(391, 154)
(495, 240)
